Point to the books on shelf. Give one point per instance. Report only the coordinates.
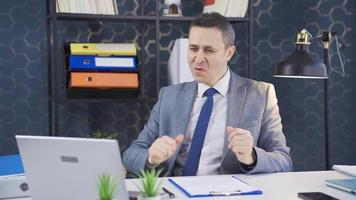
(208, 6)
(237, 8)
(178, 67)
(228, 8)
(103, 7)
(106, 7)
(220, 6)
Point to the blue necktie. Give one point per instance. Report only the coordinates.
(192, 162)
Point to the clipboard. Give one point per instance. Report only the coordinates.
(207, 186)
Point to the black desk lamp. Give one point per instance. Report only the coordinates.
(301, 64)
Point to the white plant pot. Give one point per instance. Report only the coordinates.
(149, 198)
(112, 199)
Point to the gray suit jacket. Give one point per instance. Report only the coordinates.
(252, 105)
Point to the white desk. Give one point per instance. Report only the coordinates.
(276, 186)
(279, 186)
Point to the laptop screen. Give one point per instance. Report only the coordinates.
(59, 168)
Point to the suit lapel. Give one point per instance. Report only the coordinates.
(237, 94)
(181, 115)
(184, 107)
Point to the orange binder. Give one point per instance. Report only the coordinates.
(103, 80)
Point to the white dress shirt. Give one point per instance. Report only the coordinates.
(211, 154)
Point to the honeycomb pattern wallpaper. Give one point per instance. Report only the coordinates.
(24, 81)
(23, 71)
(302, 101)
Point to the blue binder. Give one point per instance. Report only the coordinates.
(11, 164)
(99, 63)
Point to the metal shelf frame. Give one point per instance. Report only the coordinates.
(52, 22)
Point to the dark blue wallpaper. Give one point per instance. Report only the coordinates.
(302, 101)
(23, 73)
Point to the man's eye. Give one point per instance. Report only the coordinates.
(210, 51)
(194, 49)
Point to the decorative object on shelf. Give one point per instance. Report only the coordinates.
(150, 185)
(172, 8)
(107, 187)
(301, 64)
(228, 8)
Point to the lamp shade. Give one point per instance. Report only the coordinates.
(301, 64)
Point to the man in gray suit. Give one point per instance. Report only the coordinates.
(242, 131)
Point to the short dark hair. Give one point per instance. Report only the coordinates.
(216, 20)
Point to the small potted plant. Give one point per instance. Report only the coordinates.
(150, 185)
(101, 134)
(106, 187)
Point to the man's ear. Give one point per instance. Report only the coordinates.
(230, 51)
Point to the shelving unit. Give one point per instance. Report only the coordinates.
(54, 82)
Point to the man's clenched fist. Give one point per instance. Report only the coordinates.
(163, 148)
(241, 143)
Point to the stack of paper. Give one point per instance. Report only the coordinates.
(204, 186)
(228, 8)
(348, 185)
(347, 169)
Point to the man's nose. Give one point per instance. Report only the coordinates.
(199, 57)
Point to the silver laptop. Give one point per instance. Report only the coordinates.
(60, 168)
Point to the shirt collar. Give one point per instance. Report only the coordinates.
(222, 86)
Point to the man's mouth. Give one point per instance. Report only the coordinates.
(198, 70)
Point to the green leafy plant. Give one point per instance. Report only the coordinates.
(150, 185)
(103, 134)
(107, 187)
